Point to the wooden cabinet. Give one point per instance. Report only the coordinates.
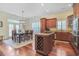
(44, 43)
(75, 42)
(70, 19)
(51, 23)
(48, 23)
(76, 9)
(64, 36)
(43, 24)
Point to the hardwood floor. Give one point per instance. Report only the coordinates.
(61, 48)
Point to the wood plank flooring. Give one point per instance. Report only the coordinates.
(60, 48)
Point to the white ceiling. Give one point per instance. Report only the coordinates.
(34, 9)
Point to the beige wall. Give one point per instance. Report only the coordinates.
(4, 29)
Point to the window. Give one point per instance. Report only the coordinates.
(13, 24)
(64, 25)
(61, 25)
(17, 27)
(75, 26)
(11, 27)
(36, 27)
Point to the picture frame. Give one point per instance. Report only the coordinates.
(1, 24)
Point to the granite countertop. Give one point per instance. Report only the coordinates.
(44, 33)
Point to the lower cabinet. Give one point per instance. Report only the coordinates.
(44, 43)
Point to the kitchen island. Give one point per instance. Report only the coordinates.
(44, 43)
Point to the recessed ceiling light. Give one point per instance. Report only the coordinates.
(69, 5)
(42, 4)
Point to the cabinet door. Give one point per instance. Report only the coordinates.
(51, 23)
(70, 21)
(43, 24)
(76, 9)
(48, 23)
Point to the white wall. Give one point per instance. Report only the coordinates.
(4, 31)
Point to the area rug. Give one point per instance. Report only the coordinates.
(17, 45)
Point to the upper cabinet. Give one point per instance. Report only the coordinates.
(43, 24)
(76, 18)
(51, 23)
(46, 24)
(69, 22)
(76, 9)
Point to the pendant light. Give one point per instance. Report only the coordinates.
(21, 23)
